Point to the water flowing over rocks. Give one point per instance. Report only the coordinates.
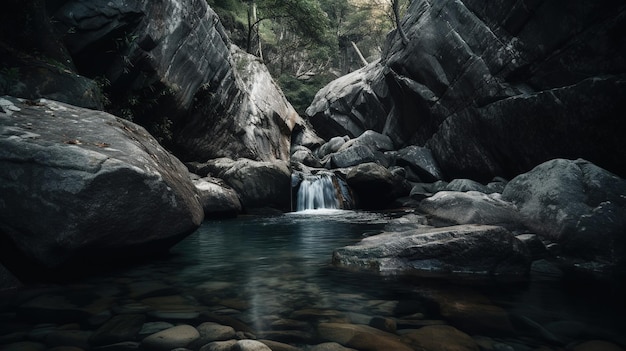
(487, 92)
(93, 182)
(467, 249)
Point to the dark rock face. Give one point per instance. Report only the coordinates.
(222, 102)
(472, 208)
(420, 162)
(79, 184)
(258, 184)
(577, 204)
(468, 249)
(375, 186)
(217, 198)
(487, 91)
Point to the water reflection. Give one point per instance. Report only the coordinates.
(272, 277)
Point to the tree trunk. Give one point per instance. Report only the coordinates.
(396, 14)
(253, 41)
(356, 48)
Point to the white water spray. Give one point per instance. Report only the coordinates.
(317, 192)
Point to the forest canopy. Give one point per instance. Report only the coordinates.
(307, 43)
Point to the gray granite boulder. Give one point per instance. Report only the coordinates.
(577, 204)
(217, 198)
(472, 207)
(79, 184)
(467, 185)
(258, 184)
(176, 58)
(420, 162)
(476, 250)
(487, 91)
(375, 186)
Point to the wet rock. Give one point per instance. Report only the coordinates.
(534, 244)
(406, 222)
(288, 336)
(237, 324)
(373, 140)
(52, 308)
(330, 346)
(374, 185)
(130, 307)
(149, 288)
(121, 346)
(421, 163)
(466, 185)
(119, 328)
(306, 157)
(420, 191)
(472, 312)
(179, 336)
(217, 198)
(331, 146)
(361, 337)
(464, 249)
(279, 346)
(250, 345)
(96, 180)
(77, 338)
(352, 156)
(576, 204)
(154, 327)
(472, 207)
(259, 184)
(440, 337)
(219, 346)
(210, 332)
(385, 324)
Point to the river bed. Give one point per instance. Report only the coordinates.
(271, 278)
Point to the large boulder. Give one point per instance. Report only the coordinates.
(487, 91)
(577, 204)
(169, 63)
(79, 184)
(465, 249)
(217, 198)
(259, 184)
(472, 207)
(420, 162)
(375, 186)
(35, 63)
(352, 156)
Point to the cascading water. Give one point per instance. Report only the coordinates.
(317, 192)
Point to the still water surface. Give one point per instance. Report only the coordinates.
(268, 271)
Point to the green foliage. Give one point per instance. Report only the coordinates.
(300, 92)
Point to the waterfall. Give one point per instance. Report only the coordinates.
(317, 192)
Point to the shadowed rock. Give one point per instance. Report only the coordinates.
(465, 249)
(79, 183)
(487, 91)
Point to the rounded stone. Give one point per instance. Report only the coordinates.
(168, 339)
(250, 345)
